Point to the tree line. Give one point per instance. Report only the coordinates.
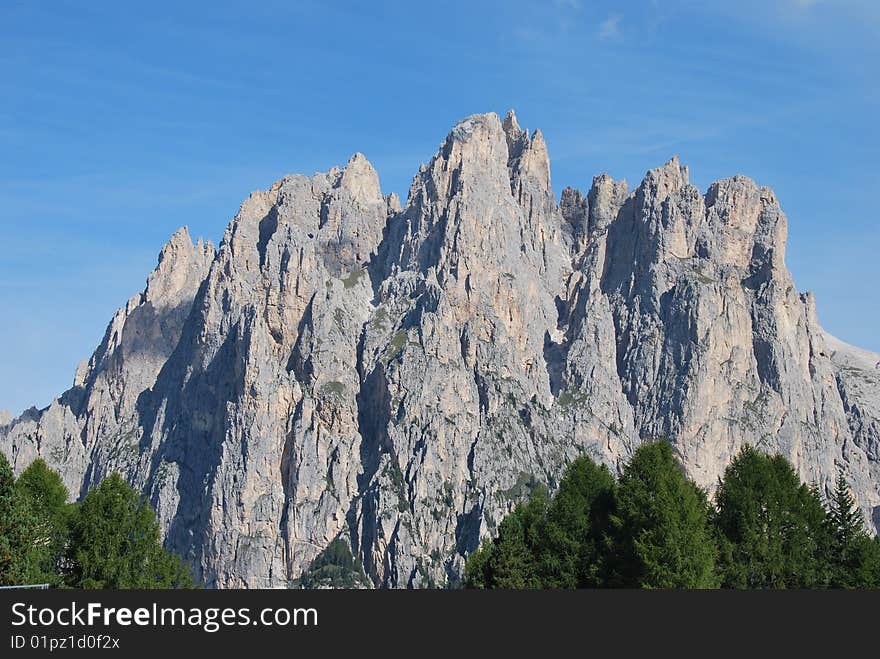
(650, 528)
(110, 539)
(654, 528)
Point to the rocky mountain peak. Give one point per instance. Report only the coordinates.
(528, 160)
(476, 148)
(666, 180)
(742, 216)
(511, 126)
(590, 215)
(361, 180)
(396, 379)
(181, 266)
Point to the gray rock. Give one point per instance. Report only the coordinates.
(398, 377)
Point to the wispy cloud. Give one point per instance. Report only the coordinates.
(610, 28)
(545, 28)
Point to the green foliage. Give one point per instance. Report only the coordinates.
(654, 528)
(395, 345)
(577, 523)
(844, 518)
(551, 543)
(110, 540)
(44, 486)
(853, 555)
(47, 498)
(335, 567)
(770, 527)
(511, 560)
(478, 569)
(514, 560)
(19, 532)
(352, 279)
(661, 535)
(115, 543)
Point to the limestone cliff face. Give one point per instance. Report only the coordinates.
(397, 378)
(92, 429)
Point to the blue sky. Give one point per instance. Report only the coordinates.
(120, 123)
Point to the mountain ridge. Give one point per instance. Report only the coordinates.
(342, 367)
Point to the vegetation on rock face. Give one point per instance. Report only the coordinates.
(109, 540)
(335, 567)
(654, 528)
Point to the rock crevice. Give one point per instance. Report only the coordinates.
(397, 377)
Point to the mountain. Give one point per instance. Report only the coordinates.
(389, 381)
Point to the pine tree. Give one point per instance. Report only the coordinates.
(574, 537)
(19, 531)
(510, 561)
(845, 518)
(770, 527)
(655, 529)
(662, 537)
(47, 495)
(477, 569)
(115, 543)
(853, 555)
(44, 486)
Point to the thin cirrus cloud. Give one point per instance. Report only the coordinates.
(566, 20)
(112, 143)
(865, 9)
(610, 28)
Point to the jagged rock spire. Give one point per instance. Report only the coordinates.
(396, 378)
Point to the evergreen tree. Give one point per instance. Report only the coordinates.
(48, 500)
(770, 527)
(18, 532)
(334, 567)
(843, 515)
(854, 556)
(510, 561)
(661, 526)
(574, 538)
(477, 569)
(655, 529)
(115, 543)
(44, 486)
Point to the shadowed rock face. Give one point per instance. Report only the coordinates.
(398, 378)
